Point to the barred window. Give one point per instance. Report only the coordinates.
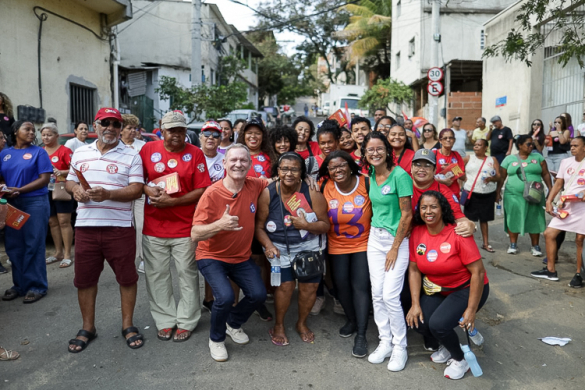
(83, 107)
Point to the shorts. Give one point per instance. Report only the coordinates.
(480, 207)
(60, 206)
(287, 275)
(93, 245)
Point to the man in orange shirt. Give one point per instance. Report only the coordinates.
(223, 227)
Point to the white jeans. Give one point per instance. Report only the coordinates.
(138, 208)
(386, 286)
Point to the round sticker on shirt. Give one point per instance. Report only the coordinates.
(359, 200)
(445, 247)
(515, 164)
(155, 157)
(84, 168)
(533, 161)
(442, 161)
(582, 172)
(6, 118)
(386, 190)
(252, 207)
(201, 167)
(333, 203)
(500, 136)
(54, 159)
(271, 226)
(187, 157)
(581, 181)
(7, 157)
(159, 167)
(172, 163)
(261, 158)
(421, 249)
(258, 168)
(287, 220)
(453, 160)
(112, 168)
(432, 256)
(524, 164)
(216, 167)
(348, 207)
(455, 198)
(27, 156)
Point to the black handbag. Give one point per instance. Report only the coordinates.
(306, 264)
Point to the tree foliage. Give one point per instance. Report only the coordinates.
(215, 101)
(563, 18)
(384, 92)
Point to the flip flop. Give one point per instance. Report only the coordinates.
(10, 294)
(167, 336)
(488, 248)
(80, 343)
(179, 332)
(65, 263)
(282, 344)
(305, 337)
(32, 297)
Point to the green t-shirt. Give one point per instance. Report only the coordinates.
(384, 198)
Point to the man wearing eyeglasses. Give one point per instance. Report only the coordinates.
(167, 226)
(211, 134)
(103, 230)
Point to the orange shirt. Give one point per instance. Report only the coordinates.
(350, 216)
(229, 246)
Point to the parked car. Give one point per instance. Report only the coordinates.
(92, 136)
(242, 114)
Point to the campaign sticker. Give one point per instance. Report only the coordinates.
(581, 172)
(442, 161)
(271, 226)
(421, 249)
(216, 167)
(54, 159)
(333, 203)
(7, 157)
(515, 164)
(155, 157)
(258, 168)
(83, 168)
(252, 207)
(27, 156)
(159, 167)
(490, 164)
(556, 139)
(524, 164)
(570, 171)
(261, 158)
(455, 198)
(287, 220)
(348, 207)
(533, 161)
(112, 168)
(581, 181)
(500, 136)
(453, 160)
(386, 189)
(445, 247)
(6, 118)
(359, 200)
(187, 157)
(432, 256)
(201, 167)
(172, 163)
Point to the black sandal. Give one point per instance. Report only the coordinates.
(136, 337)
(10, 294)
(32, 297)
(80, 343)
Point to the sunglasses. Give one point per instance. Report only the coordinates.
(107, 123)
(529, 144)
(213, 134)
(427, 130)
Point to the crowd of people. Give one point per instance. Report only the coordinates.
(379, 207)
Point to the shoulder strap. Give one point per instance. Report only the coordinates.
(478, 174)
(367, 183)
(323, 184)
(282, 214)
(521, 167)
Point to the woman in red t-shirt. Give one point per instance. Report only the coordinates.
(455, 282)
(402, 150)
(445, 157)
(306, 148)
(60, 219)
(255, 137)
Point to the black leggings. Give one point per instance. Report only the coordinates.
(352, 282)
(442, 314)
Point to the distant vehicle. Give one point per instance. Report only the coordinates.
(242, 114)
(350, 95)
(275, 112)
(268, 119)
(324, 110)
(92, 136)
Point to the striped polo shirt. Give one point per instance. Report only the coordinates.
(115, 169)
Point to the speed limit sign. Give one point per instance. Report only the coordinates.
(435, 88)
(435, 74)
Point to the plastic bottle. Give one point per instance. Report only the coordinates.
(471, 360)
(275, 275)
(499, 209)
(52, 181)
(476, 337)
(3, 212)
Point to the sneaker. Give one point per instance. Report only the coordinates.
(545, 274)
(208, 305)
(8, 262)
(318, 306)
(218, 351)
(238, 336)
(3, 270)
(347, 330)
(263, 313)
(269, 298)
(441, 356)
(455, 369)
(337, 308)
(576, 282)
(141, 267)
(536, 251)
(380, 354)
(398, 359)
(360, 346)
(513, 249)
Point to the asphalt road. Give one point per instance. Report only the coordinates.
(519, 310)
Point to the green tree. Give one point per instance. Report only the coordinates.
(384, 92)
(564, 18)
(214, 100)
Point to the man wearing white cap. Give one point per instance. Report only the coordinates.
(176, 176)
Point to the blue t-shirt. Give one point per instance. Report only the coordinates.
(20, 167)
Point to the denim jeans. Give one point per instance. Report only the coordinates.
(26, 247)
(247, 276)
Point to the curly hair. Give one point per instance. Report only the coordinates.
(381, 137)
(265, 145)
(291, 156)
(324, 170)
(280, 132)
(446, 211)
(7, 105)
(15, 127)
(329, 126)
(301, 119)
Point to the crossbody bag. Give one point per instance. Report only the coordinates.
(533, 190)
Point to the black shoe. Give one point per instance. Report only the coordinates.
(264, 314)
(576, 282)
(360, 346)
(3, 270)
(207, 305)
(545, 274)
(347, 330)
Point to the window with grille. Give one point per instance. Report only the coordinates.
(83, 105)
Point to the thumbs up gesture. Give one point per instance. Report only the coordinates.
(229, 222)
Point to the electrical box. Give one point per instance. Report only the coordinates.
(31, 114)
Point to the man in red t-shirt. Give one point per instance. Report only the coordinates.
(223, 227)
(167, 226)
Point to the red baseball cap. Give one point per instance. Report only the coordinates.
(108, 112)
(211, 126)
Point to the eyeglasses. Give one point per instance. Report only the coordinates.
(213, 134)
(371, 151)
(418, 165)
(448, 139)
(529, 144)
(107, 123)
(336, 167)
(427, 130)
(289, 170)
(536, 124)
(384, 126)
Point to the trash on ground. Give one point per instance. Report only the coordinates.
(555, 341)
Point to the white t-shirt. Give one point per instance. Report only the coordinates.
(215, 167)
(137, 145)
(74, 143)
(581, 129)
(460, 137)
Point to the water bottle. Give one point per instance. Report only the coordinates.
(484, 175)
(499, 209)
(471, 360)
(52, 181)
(476, 337)
(275, 275)
(3, 212)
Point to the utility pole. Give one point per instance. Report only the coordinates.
(196, 43)
(436, 28)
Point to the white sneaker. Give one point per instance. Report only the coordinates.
(536, 251)
(218, 351)
(238, 335)
(380, 354)
(318, 306)
(141, 267)
(337, 308)
(398, 359)
(455, 369)
(441, 356)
